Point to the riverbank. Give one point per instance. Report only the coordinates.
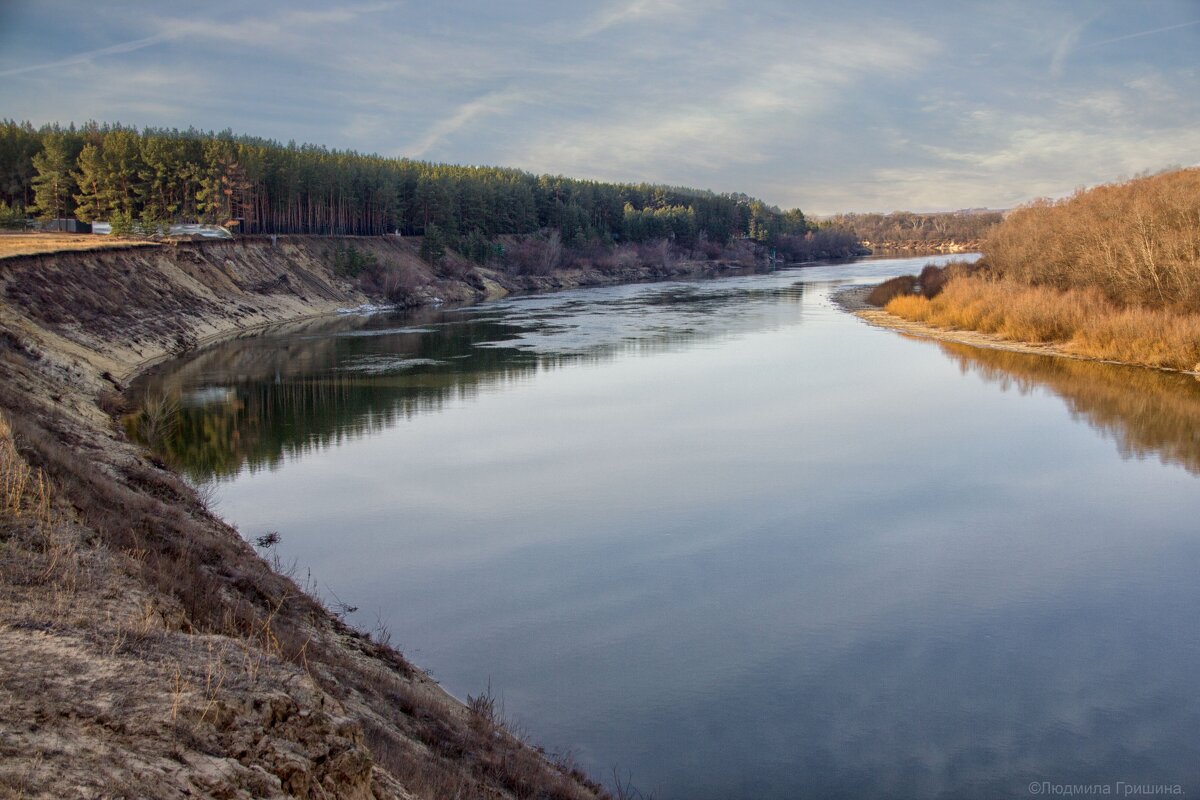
(147, 649)
(854, 300)
(913, 247)
(126, 308)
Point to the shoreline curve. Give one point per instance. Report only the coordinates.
(853, 300)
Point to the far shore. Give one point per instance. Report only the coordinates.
(853, 299)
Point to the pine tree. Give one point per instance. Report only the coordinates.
(433, 245)
(91, 205)
(53, 184)
(212, 199)
(162, 163)
(122, 162)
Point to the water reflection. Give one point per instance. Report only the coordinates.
(253, 402)
(790, 555)
(1146, 412)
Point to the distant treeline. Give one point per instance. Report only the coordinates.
(906, 226)
(153, 176)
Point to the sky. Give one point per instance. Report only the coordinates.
(859, 105)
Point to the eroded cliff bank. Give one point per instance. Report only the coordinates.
(146, 649)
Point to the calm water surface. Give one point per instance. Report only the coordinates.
(735, 541)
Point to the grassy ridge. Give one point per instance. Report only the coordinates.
(1110, 273)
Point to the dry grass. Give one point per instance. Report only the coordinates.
(1082, 321)
(24, 492)
(929, 283)
(32, 244)
(250, 622)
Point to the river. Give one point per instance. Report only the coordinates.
(732, 541)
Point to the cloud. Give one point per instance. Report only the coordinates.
(491, 103)
(91, 55)
(818, 105)
(1063, 50)
(630, 11)
(287, 29)
(116, 91)
(1140, 34)
(742, 114)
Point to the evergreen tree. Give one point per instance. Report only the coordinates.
(433, 245)
(212, 201)
(121, 187)
(161, 175)
(18, 145)
(53, 184)
(91, 203)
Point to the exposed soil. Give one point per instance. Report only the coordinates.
(146, 649)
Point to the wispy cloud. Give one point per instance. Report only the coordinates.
(1140, 34)
(289, 28)
(469, 112)
(630, 11)
(1065, 45)
(755, 113)
(92, 55)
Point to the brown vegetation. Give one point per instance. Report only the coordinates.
(900, 286)
(1084, 322)
(928, 284)
(1138, 243)
(1112, 273)
(908, 230)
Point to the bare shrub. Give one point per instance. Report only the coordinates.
(484, 718)
(552, 253)
(620, 257)
(535, 255)
(396, 282)
(711, 250)
(155, 421)
(24, 491)
(454, 265)
(658, 253)
(931, 280)
(883, 294)
(1138, 242)
(740, 252)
